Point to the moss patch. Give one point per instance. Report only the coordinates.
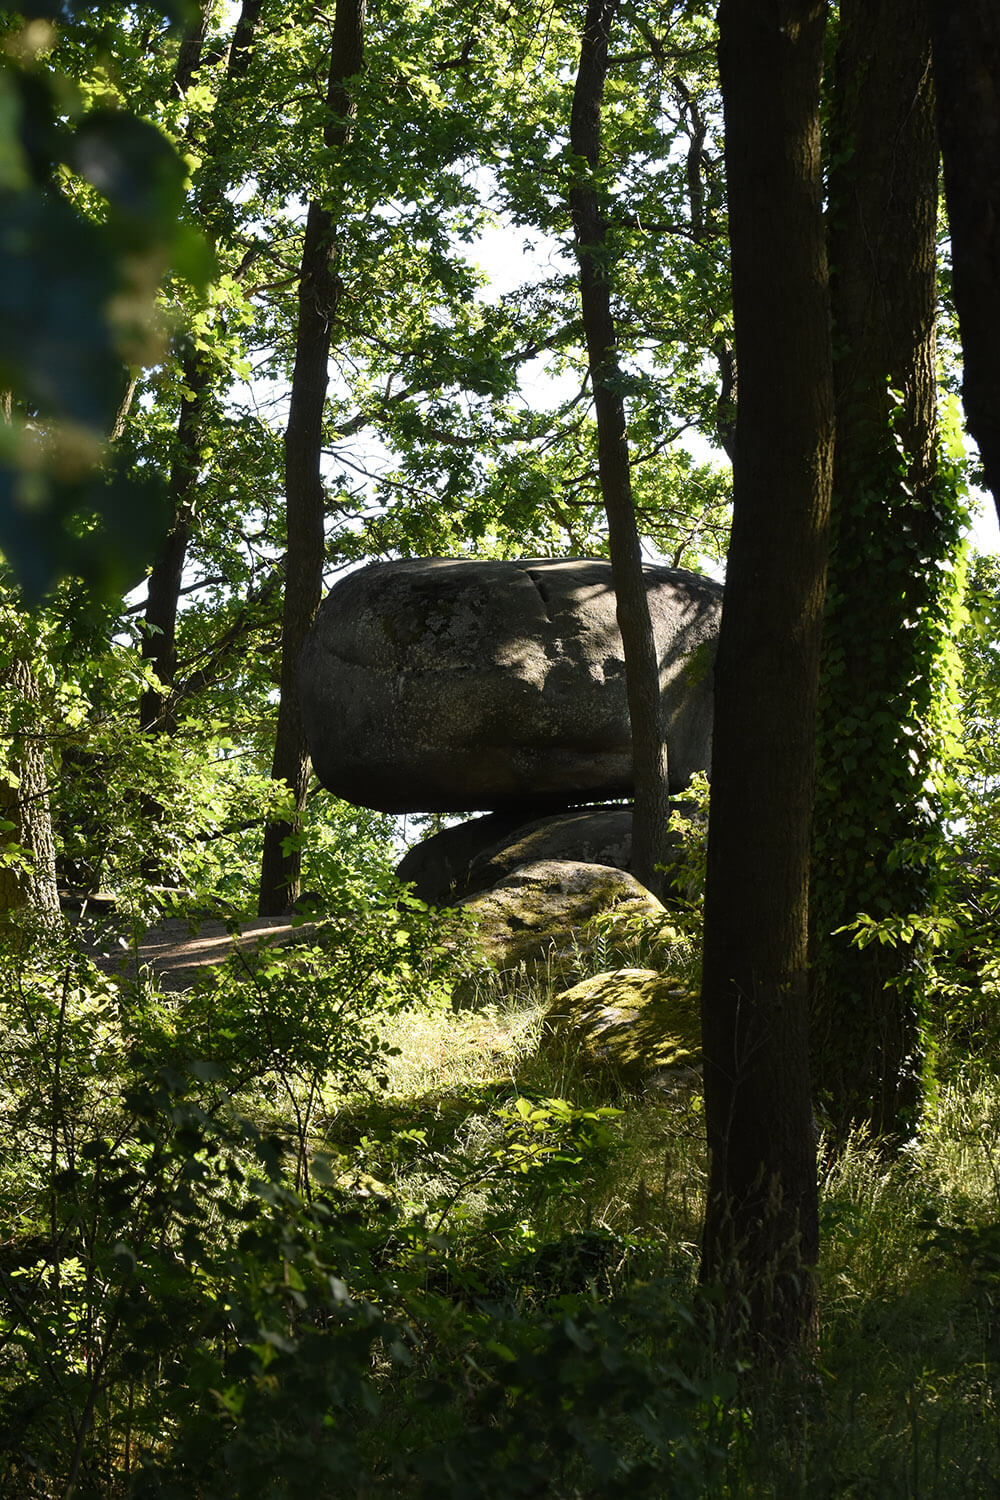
(634, 1022)
(544, 913)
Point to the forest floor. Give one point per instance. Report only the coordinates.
(178, 949)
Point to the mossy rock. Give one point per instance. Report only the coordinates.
(643, 1026)
(544, 915)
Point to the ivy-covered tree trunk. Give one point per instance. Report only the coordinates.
(967, 80)
(761, 1225)
(319, 294)
(642, 672)
(27, 846)
(888, 595)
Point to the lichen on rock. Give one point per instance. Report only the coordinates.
(636, 1023)
(546, 913)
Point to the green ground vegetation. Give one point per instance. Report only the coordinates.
(307, 1229)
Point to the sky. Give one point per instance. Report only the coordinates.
(985, 532)
(511, 257)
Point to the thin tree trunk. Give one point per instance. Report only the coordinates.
(156, 711)
(761, 1227)
(124, 407)
(159, 640)
(319, 294)
(872, 829)
(642, 670)
(192, 45)
(241, 48)
(967, 79)
(24, 805)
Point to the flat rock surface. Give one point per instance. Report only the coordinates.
(177, 950)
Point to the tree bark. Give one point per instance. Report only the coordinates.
(761, 1228)
(190, 51)
(642, 669)
(319, 295)
(871, 822)
(966, 36)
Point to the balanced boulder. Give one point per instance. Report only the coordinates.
(435, 685)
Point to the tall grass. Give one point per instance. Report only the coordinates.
(902, 1397)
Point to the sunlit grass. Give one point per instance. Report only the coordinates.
(444, 1050)
(903, 1397)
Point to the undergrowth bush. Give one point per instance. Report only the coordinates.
(200, 1298)
(305, 1231)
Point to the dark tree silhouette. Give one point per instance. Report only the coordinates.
(761, 1227)
(967, 77)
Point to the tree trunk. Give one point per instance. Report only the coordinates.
(156, 711)
(967, 80)
(761, 1230)
(192, 43)
(642, 670)
(159, 640)
(872, 826)
(319, 294)
(28, 881)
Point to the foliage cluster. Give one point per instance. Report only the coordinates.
(256, 1246)
(207, 1292)
(433, 445)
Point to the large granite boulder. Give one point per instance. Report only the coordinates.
(549, 915)
(591, 835)
(474, 855)
(453, 686)
(438, 867)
